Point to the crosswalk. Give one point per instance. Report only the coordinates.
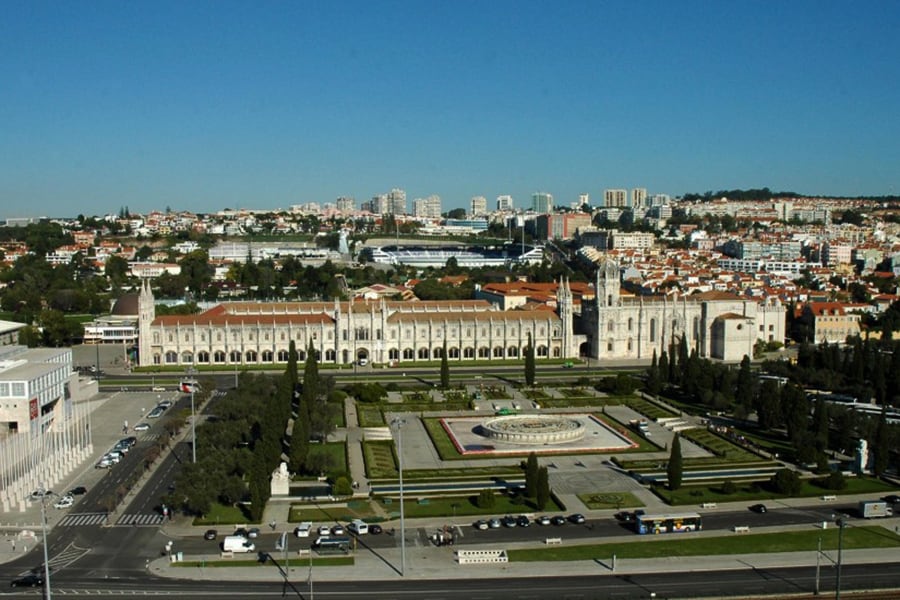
(82, 519)
(139, 520)
(126, 520)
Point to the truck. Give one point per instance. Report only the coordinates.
(874, 509)
(237, 543)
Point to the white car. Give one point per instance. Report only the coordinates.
(142, 427)
(65, 502)
(302, 530)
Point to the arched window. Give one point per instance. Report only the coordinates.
(468, 352)
(408, 354)
(609, 346)
(541, 351)
(250, 356)
(330, 355)
(219, 356)
(203, 357)
(652, 330)
(393, 354)
(423, 353)
(630, 323)
(630, 344)
(498, 352)
(556, 353)
(187, 358)
(437, 352)
(157, 359)
(512, 352)
(453, 352)
(610, 327)
(283, 355)
(155, 337)
(234, 356)
(484, 352)
(301, 355)
(171, 357)
(267, 356)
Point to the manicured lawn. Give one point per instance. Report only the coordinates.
(337, 452)
(370, 416)
(718, 445)
(649, 409)
(686, 544)
(328, 513)
(380, 459)
(760, 491)
(617, 500)
(223, 515)
(442, 442)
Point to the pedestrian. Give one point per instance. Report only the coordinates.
(13, 542)
(272, 524)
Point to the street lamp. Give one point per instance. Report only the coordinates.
(193, 386)
(399, 423)
(44, 493)
(837, 582)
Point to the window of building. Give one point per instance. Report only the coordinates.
(652, 330)
(468, 352)
(235, 356)
(423, 353)
(283, 355)
(203, 357)
(498, 352)
(484, 352)
(155, 337)
(250, 356)
(219, 357)
(630, 323)
(267, 356)
(171, 357)
(408, 354)
(393, 354)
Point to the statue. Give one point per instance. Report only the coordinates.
(281, 481)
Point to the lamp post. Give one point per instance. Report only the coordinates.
(44, 494)
(399, 423)
(193, 386)
(837, 580)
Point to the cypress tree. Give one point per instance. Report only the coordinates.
(531, 475)
(675, 468)
(445, 368)
(529, 363)
(543, 489)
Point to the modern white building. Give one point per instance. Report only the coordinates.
(478, 206)
(615, 198)
(429, 208)
(504, 203)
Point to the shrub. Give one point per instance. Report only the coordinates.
(728, 487)
(486, 499)
(786, 481)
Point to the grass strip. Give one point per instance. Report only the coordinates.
(329, 561)
(685, 544)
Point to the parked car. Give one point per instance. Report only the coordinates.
(104, 463)
(324, 530)
(542, 520)
(241, 531)
(523, 521)
(481, 524)
(759, 508)
(509, 521)
(78, 490)
(253, 533)
(210, 534)
(494, 523)
(302, 530)
(30, 580)
(375, 529)
(577, 518)
(165, 404)
(892, 499)
(338, 530)
(142, 427)
(38, 494)
(558, 520)
(624, 516)
(129, 441)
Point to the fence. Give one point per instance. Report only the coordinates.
(481, 557)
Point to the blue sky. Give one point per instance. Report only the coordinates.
(207, 105)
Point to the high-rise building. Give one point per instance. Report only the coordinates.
(478, 206)
(582, 200)
(429, 207)
(504, 202)
(638, 197)
(396, 202)
(345, 204)
(542, 202)
(615, 198)
(377, 205)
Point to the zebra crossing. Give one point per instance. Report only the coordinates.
(139, 520)
(82, 519)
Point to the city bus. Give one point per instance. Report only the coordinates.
(667, 523)
(332, 545)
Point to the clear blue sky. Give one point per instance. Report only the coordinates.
(206, 105)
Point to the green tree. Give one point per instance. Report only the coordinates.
(675, 468)
(542, 497)
(882, 445)
(445, 368)
(654, 381)
(531, 475)
(787, 481)
(486, 499)
(342, 487)
(529, 363)
(745, 390)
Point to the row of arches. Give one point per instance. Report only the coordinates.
(220, 357)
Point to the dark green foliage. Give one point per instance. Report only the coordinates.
(531, 475)
(787, 481)
(367, 392)
(675, 468)
(542, 496)
(445, 368)
(729, 487)
(342, 487)
(834, 481)
(486, 499)
(881, 446)
(530, 368)
(654, 381)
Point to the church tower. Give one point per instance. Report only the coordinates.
(567, 316)
(146, 314)
(608, 284)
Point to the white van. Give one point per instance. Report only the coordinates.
(359, 527)
(237, 543)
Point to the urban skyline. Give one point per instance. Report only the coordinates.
(208, 106)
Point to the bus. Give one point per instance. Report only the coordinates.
(332, 545)
(667, 523)
(189, 386)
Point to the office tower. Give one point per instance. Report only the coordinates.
(542, 202)
(638, 197)
(615, 198)
(345, 204)
(504, 202)
(429, 207)
(582, 200)
(478, 206)
(377, 205)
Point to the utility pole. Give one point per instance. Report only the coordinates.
(399, 423)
